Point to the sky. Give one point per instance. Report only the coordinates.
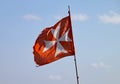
(96, 31)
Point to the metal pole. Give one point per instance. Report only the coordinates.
(77, 76)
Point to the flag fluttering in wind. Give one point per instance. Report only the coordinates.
(54, 43)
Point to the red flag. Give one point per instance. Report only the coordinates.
(54, 43)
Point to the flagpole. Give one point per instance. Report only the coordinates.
(76, 69)
(77, 76)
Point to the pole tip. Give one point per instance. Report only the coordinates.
(68, 9)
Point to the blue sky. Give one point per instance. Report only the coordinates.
(96, 29)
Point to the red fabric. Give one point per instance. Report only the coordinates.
(54, 43)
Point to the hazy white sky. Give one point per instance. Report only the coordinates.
(96, 29)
